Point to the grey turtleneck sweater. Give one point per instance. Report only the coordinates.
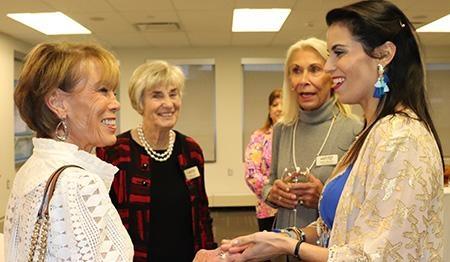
(311, 131)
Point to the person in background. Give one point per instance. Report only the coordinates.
(159, 190)
(258, 155)
(384, 201)
(65, 94)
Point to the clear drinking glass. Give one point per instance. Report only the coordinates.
(291, 176)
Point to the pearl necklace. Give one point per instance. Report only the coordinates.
(161, 157)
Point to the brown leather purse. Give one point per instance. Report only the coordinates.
(39, 237)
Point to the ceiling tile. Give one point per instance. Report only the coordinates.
(287, 39)
(205, 21)
(140, 5)
(148, 16)
(219, 5)
(80, 5)
(11, 6)
(264, 4)
(112, 22)
(301, 24)
(126, 40)
(323, 5)
(167, 39)
(423, 6)
(435, 39)
(204, 39)
(252, 39)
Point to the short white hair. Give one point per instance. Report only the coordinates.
(151, 74)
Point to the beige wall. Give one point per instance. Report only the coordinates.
(7, 170)
(224, 178)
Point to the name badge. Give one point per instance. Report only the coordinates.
(191, 173)
(327, 160)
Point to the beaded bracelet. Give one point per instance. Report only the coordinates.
(292, 232)
(288, 233)
(300, 235)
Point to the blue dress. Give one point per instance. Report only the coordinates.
(330, 197)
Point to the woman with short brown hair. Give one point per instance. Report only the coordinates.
(66, 95)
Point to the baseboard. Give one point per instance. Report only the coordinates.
(231, 200)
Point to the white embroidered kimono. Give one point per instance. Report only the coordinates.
(391, 207)
(84, 225)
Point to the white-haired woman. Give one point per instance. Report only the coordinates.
(314, 132)
(159, 190)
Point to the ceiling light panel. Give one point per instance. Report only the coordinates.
(52, 23)
(442, 25)
(259, 20)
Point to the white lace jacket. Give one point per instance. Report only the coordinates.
(84, 225)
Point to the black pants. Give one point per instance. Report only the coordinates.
(265, 223)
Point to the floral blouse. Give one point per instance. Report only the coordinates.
(258, 156)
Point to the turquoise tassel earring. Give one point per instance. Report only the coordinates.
(381, 86)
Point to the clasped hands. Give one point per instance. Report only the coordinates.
(254, 247)
(289, 195)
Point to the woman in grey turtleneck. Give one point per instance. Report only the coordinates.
(313, 133)
(324, 129)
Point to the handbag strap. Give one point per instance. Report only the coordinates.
(50, 189)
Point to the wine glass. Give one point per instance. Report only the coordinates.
(291, 176)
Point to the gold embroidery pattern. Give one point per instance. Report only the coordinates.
(391, 206)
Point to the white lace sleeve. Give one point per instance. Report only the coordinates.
(21, 214)
(10, 230)
(84, 225)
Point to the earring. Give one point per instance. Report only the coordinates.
(381, 86)
(61, 130)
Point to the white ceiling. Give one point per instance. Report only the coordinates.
(203, 23)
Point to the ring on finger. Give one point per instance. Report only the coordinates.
(301, 202)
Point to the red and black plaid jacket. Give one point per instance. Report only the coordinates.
(130, 191)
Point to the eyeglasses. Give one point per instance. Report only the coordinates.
(313, 69)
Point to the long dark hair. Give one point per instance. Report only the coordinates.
(276, 93)
(372, 23)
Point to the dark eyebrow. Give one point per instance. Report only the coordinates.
(336, 46)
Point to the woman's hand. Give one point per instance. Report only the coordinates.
(215, 255)
(308, 193)
(219, 254)
(259, 246)
(280, 194)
